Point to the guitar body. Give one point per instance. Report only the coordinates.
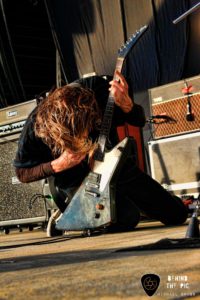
(93, 205)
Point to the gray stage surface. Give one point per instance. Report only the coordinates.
(33, 266)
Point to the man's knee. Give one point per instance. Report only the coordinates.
(127, 213)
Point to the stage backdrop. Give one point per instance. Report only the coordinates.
(88, 34)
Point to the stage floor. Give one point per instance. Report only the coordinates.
(33, 266)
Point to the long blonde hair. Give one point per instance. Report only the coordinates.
(65, 117)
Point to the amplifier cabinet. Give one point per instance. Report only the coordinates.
(170, 101)
(20, 203)
(175, 163)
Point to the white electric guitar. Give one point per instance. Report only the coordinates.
(93, 204)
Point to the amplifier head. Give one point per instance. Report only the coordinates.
(16, 113)
(13, 118)
(170, 101)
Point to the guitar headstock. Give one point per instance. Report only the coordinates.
(123, 51)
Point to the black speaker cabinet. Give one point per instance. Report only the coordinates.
(175, 163)
(20, 203)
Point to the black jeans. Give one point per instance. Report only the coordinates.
(136, 192)
(149, 197)
(61, 196)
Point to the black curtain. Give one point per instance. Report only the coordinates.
(159, 57)
(90, 32)
(9, 71)
(27, 51)
(87, 35)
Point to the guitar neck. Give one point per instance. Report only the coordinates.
(107, 117)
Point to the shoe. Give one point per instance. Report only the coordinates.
(51, 227)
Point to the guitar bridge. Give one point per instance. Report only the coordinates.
(92, 193)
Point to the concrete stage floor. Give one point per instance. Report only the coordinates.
(33, 266)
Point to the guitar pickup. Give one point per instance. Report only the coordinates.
(93, 178)
(92, 192)
(92, 185)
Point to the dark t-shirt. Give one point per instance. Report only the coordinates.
(32, 151)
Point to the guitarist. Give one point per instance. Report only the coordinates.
(58, 140)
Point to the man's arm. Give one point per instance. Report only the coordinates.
(38, 172)
(64, 162)
(134, 113)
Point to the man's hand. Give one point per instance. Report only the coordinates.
(66, 161)
(119, 90)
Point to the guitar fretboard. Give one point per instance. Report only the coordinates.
(107, 118)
